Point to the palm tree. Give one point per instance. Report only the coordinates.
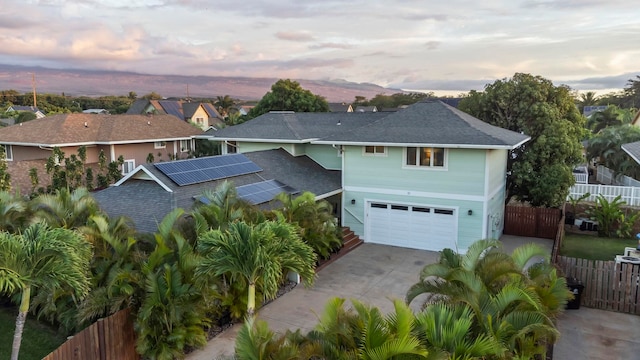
(67, 209)
(513, 300)
(315, 218)
(173, 310)
(13, 212)
(116, 267)
(587, 99)
(44, 259)
(258, 254)
(223, 207)
(611, 116)
(606, 147)
(224, 104)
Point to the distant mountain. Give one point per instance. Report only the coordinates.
(99, 83)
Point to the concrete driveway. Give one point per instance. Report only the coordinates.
(371, 273)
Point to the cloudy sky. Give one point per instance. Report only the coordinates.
(453, 45)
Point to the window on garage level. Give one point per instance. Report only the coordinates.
(425, 157)
(375, 150)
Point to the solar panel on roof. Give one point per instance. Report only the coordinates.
(172, 108)
(264, 191)
(193, 171)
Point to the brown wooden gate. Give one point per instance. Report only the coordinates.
(531, 222)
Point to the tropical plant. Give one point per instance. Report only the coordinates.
(172, 314)
(224, 105)
(606, 148)
(611, 219)
(218, 208)
(611, 116)
(42, 259)
(65, 208)
(259, 254)
(513, 297)
(315, 218)
(116, 268)
(13, 212)
(256, 341)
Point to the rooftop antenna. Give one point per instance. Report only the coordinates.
(188, 98)
(33, 85)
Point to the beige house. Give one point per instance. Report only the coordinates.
(137, 138)
(202, 114)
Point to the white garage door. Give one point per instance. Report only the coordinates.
(416, 227)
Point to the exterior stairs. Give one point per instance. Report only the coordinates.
(350, 241)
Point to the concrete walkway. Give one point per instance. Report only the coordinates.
(375, 273)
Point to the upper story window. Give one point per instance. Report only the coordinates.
(8, 152)
(375, 150)
(200, 121)
(425, 157)
(159, 145)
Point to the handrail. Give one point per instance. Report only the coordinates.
(354, 216)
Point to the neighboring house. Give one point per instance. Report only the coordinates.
(33, 109)
(361, 108)
(202, 114)
(244, 109)
(151, 191)
(96, 111)
(134, 137)
(589, 110)
(633, 149)
(340, 107)
(427, 177)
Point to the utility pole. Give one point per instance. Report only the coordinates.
(188, 98)
(33, 84)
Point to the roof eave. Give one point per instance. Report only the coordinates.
(288, 141)
(149, 173)
(448, 146)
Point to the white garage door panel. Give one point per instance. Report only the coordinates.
(428, 228)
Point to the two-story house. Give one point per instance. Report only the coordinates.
(137, 138)
(427, 176)
(202, 114)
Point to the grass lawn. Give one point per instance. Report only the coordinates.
(38, 339)
(593, 247)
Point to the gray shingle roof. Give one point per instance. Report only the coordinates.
(429, 122)
(146, 203)
(296, 127)
(633, 149)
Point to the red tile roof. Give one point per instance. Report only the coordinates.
(71, 129)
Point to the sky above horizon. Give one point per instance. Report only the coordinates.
(446, 47)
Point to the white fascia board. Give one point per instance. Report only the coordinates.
(254, 140)
(446, 146)
(329, 194)
(143, 169)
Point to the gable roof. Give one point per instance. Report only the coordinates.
(32, 109)
(86, 129)
(340, 107)
(138, 107)
(211, 110)
(426, 123)
(146, 195)
(430, 123)
(633, 149)
(289, 126)
(188, 109)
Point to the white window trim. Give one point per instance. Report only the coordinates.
(187, 148)
(132, 167)
(428, 168)
(365, 153)
(8, 152)
(160, 145)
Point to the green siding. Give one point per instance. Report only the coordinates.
(497, 165)
(464, 174)
(325, 155)
(245, 147)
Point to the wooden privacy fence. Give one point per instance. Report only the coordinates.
(532, 222)
(111, 338)
(607, 285)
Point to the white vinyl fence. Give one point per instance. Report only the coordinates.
(628, 188)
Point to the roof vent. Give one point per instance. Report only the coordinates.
(85, 124)
(149, 123)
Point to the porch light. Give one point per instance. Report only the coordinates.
(353, 201)
(470, 212)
